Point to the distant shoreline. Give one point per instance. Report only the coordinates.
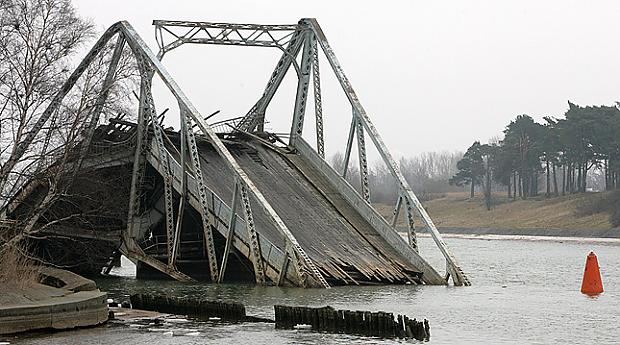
(564, 216)
(584, 233)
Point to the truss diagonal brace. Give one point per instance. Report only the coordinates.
(347, 150)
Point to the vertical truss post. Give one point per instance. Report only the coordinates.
(137, 175)
(283, 268)
(347, 150)
(231, 232)
(396, 211)
(318, 106)
(458, 276)
(361, 150)
(302, 89)
(255, 252)
(182, 193)
(413, 240)
(448, 271)
(163, 158)
(204, 211)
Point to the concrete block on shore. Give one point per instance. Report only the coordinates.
(74, 302)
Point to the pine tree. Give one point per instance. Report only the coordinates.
(470, 168)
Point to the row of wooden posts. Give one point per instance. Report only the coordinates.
(328, 319)
(196, 307)
(323, 319)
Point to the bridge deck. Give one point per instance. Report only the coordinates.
(341, 243)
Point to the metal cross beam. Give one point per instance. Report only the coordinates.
(172, 34)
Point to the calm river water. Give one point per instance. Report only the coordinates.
(524, 292)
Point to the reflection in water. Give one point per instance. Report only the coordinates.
(524, 292)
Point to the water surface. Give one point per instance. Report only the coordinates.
(524, 292)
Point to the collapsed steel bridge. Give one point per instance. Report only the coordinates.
(231, 194)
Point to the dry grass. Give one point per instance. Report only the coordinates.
(457, 210)
(17, 270)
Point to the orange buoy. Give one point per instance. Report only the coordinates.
(592, 283)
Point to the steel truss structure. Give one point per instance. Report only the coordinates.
(182, 173)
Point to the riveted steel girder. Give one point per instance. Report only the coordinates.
(361, 150)
(318, 103)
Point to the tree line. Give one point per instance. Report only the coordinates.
(427, 174)
(564, 151)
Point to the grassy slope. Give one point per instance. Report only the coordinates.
(457, 210)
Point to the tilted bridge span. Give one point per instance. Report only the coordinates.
(229, 201)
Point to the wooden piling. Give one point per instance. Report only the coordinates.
(189, 306)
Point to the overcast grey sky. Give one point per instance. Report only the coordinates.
(433, 75)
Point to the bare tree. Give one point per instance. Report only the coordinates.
(38, 38)
(43, 143)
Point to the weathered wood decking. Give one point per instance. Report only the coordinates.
(344, 246)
